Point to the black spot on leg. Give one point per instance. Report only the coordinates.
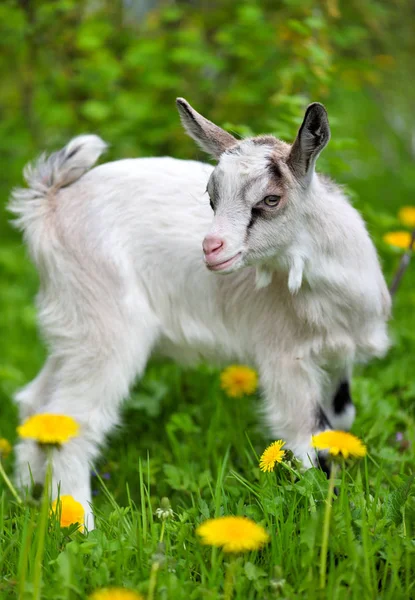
(342, 399)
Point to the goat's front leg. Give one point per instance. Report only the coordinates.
(292, 394)
(338, 403)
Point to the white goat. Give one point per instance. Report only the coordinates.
(119, 252)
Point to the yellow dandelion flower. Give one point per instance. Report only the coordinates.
(233, 534)
(407, 216)
(399, 239)
(115, 593)
(239, 380)
(340, 443)
(49, 429)
(69, 511)
(5, 448)
(271, 455)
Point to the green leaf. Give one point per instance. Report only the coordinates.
(253, 572)
(397, 500)
(149, 399)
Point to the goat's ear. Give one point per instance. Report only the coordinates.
(207, 135)
(312, 137)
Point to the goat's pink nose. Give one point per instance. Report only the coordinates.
(212, 244)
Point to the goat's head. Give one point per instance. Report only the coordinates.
(256, 189)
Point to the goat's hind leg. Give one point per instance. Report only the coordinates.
(90, 386)
(98, 360)
(33, 395)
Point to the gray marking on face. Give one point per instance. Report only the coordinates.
(212, 189)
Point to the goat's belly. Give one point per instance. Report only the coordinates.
(190, 342)
(184, 354)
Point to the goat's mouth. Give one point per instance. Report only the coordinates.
(224, 265)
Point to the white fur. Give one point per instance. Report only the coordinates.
(345, 419)
(123, 276)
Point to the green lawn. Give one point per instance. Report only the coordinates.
(184, 439)
(115, 67)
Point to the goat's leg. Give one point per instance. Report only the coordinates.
(293, 389)
(337, 404)
(341, 410)
(93, 378)
(30, 400)
(98, 395)
(34, 393)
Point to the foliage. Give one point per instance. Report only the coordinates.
(115, 68)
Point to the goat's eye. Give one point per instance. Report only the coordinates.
(272, 200)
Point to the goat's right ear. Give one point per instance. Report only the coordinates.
(207, 135)
(312, 137)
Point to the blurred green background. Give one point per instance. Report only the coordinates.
(114, 67)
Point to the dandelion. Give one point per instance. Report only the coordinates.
(115, 593)
(165, 510)
(271, 455)
(5, 448)
(233, 534)
(398, 239)
(70, 511)
(340, 443)
(239, 380)
(49, 429)
(407, 216)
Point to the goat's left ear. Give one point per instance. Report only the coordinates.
(207, 135)
(312, 137)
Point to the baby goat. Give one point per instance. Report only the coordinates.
(119, 253)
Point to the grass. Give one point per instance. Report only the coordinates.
(182, 438)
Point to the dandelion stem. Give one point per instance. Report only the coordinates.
(290, 469)
(313, 508)
(326, 527)
(24, 556)
(229, 579)
(155, 567)
(9, 484)
(153, 580)
(403, 265)
(163, 527)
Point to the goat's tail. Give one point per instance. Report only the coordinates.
(34, 206)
